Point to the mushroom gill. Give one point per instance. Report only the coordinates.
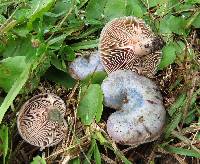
(41, 121)
(127, 43)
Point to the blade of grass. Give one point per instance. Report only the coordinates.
(85, 44)
(173, 124)
(182, 151)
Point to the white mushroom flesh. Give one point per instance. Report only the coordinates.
(141, 115)
(83, 66)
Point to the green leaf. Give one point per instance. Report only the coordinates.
(153, 3)
(85, 45)
(196, 22)
(193, 1)
(115, 9)
(59, 77)
(75, 161)
(182, 151)
(1, 100)
(19, 47)
(69, 53)
(90, 152)
(97, 155)
(32, 64)
(62, 6)
(179, 103)
(168, 55)
(10, 70)
(58, 63)
(94, 78)
(38, 160)
(173, 124)
(134, 7)
(163, 26)
(60, 38)
(177, 25)
(38, 8)
(91, 98)
(173, 24)
(21, 15)
(94, 9)
(2, 19)
(4, 141)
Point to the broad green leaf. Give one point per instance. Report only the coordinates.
(19, 47)
(10, 70)
(32, 64)
(62, 7)
(38, 160)
(97, 155)
(38, 8)
(75, 161)
(115, 9)
(163, 26)
(59, 77)
(58, 63)
(85, 45)
(4, 141)
(174, 24)
(153, 3)
(134, 7)
(196, 22)
(182, 151)
(94, 9)
(68, 53)
(180, 47)
(21, 15)
(95, 78)
(168, 55)
(177, 25)
(2, 19)
(22, 31)
(91, 98)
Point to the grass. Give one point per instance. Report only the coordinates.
(49, 34)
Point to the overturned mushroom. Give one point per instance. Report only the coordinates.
(83, 66)
(141, 116)
(41, 120)
(128, 43)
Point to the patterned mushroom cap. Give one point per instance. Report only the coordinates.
(128, 43)
(41, 120)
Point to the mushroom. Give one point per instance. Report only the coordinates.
(141, 115)
(128, 43)
(83, 66)
(41, 121)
